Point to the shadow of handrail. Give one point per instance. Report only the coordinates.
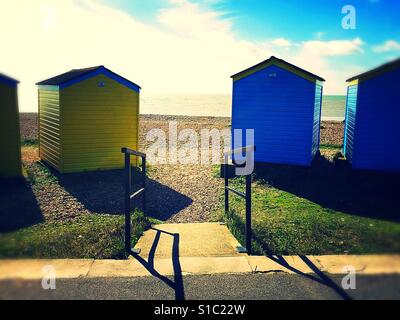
(100, 192)
(322, 278)
(177, 284)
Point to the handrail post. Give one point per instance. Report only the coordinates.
(128, 191)
(226, 185)
(246, 195)
(144, 184)
(248, 214)
(129, 197)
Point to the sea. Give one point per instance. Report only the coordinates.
(219, 105)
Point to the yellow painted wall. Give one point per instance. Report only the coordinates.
(50, 127)
(96, 122)
(10, 143)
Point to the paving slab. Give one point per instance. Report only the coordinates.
(200, 265)
(215, 265)
(333, 264)
(288, 264)
(191, 240)
(363, 264)
(117, 268)
(239, 264)
(34, 268)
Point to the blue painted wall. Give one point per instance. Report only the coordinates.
(377, 129)
(351, 111)
(317, 119)
(283, 110)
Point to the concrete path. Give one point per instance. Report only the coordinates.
(190, 239)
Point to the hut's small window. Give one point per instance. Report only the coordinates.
(101, 84)
(272, 75)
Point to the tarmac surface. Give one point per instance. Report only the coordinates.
(208, 287)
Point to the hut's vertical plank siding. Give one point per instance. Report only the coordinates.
(97, 121)
(377, 127)
(317, 119)
(10, 145)
(50, 127)
(350, 127)
(279, 105)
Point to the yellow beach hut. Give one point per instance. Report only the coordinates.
(85, 117)
(10, 143)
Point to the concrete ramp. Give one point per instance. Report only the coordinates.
(165, 241)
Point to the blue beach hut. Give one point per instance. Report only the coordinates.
(282, 103)
(372, 130)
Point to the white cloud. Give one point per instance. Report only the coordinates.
(388, 46)
(335, 76)
(313, 59)
(49, 17)
(314, 56)
(193, 50)
(186, 18)
(281, 42)
(334, 47)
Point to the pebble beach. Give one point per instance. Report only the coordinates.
(193, 185)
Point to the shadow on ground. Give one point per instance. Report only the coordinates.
(334, 185)
(177, 283)
(18, 205)
(103, 192)
(317, 275)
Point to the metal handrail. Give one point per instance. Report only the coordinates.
(133, 152)
(245, 195)
(129, 196)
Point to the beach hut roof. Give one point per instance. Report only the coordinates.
(77, 75)
(280, 63)
(8, 80)
(389, 66)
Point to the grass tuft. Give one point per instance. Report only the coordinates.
(92, 236)
(29, 142)
(39, 174)
(286, 224)
(330, 146)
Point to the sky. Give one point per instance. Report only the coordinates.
(192, 46)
